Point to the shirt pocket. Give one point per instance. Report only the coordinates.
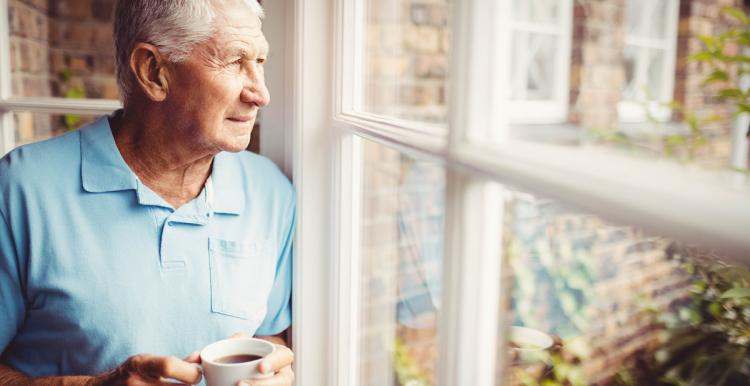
(241, 277)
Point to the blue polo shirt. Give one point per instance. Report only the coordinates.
(96, 267)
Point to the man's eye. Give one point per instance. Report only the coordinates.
(260, 60)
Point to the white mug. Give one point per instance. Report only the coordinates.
(228, 374)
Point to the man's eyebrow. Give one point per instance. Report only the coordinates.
(243, 51)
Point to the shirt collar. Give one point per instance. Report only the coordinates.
(104, 170)
(102, 166)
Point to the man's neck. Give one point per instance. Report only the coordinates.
(162, 160)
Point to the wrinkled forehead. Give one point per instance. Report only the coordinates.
(238, 25)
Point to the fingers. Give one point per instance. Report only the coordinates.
(194, 357)
(154, 368)
(282, 357)
(285, 377)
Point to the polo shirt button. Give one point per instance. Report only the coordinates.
(170, 223)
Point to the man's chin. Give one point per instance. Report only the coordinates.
(237, 144)
(236, 148)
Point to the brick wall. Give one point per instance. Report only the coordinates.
(605, 273)
(406, 58)
(81, 43)
(60, 48)
(703, 17)
(29, 53)
(51, 37)
(597, 72)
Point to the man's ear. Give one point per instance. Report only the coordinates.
(150, 70)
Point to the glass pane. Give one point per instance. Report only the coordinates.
(533, 66)
(402, 252)
(33, 127)
(62, 48)
(644, 74)
(536, 11)
(628, 82)
(645, 18)
(599, 303)
(406, 56)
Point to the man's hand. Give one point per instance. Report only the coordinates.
(279, 363)
(143, 370)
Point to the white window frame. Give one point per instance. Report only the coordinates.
(634, 111)
(671, 200)
(542, 111)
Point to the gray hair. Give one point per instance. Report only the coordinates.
(174, 26)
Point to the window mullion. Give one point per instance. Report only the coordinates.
(471, 279)
(470, 318)
(309, 109)
(347, 271)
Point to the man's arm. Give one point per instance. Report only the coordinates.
(139, 370)
(11, 377)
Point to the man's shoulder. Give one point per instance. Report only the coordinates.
(41, 160)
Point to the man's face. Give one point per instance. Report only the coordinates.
(215, 94)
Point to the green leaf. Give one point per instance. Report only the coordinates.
(71, 121)
(703, 56)
(736, 14)
(743, 38)
(731, 93)
(743, 108)
(736, 293)
(716, 76)
(736, 58)
(709, 41)
(714, 309)
(674, 140)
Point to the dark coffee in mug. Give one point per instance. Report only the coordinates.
(238, 358)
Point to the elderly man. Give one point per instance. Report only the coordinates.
(148, 234)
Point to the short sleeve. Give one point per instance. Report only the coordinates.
(279, 314)
(12, 306)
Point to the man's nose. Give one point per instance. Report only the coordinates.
(255, 92)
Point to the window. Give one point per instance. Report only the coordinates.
(401, 247)
(461, 254)
(405, 59)
(650, 49)
(58, 68)
(540, 39)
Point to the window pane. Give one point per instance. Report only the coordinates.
(406, 57)
(32, 127)
(402, 252)
(644, 74)
(534, 66)
(598, 303)
(643, 18)
(536, 11)
(62, 48)
(534, 71)
(629, 80)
